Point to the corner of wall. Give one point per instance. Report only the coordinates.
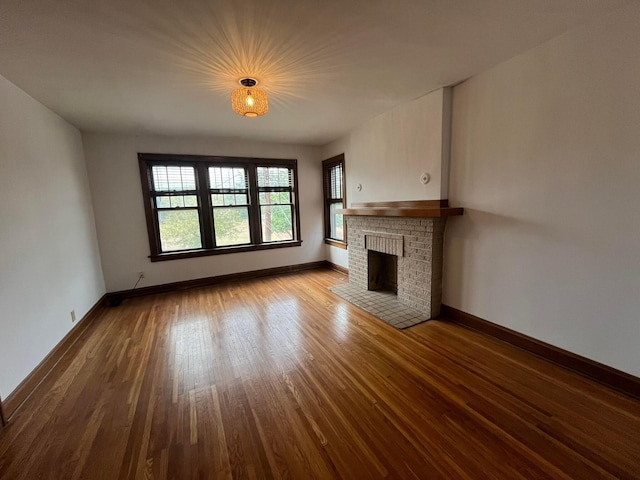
(447, 117)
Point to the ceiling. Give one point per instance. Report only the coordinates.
(168, 66)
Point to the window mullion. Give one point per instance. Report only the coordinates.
(150, 207)
(204, 200)
(295, 198)
(175, 201)
(254, 207)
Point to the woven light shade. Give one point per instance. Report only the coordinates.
(249, 101)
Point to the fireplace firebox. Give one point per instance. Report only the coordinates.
(398, 247)
(382, 271)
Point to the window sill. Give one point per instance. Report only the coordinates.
(222, 250)
(335, 243)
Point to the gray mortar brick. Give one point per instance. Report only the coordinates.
(419, 270)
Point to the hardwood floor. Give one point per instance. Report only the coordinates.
(278, 377)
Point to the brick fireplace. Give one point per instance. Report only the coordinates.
(417, 245)
(412, 233)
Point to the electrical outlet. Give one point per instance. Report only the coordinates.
(73, 316)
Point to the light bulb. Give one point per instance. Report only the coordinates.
(248, 101)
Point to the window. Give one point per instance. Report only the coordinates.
(333, 173)
(276, 203)
(229, 189)
(210, 205)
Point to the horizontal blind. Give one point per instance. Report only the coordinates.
(334, 182)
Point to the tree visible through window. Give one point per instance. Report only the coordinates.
(207, 205)
(276, 203)
(230, 203)
(176, 207)
(334, 199)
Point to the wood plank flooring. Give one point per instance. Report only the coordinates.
(280, 378)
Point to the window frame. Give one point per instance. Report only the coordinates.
(327, 165)
(201, 163)
(267, 189)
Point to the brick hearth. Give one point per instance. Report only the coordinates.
(417, 242)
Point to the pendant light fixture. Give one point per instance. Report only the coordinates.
(248, 100)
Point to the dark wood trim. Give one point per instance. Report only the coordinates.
(170, 157)
(621, 381)
(255, 232)
(407, 208)
(433, 212)
(404, 204)
(222, 251)
(3, 421)
(23, 391)
(326, 165)
(337, 268)
(296, 206)
(335, 243)
(334, 160)
(207, 227)
(152, 227)
(205, 213)
(116, 297)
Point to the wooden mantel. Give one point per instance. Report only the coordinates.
(411, 208)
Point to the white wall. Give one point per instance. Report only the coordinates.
(122, 233)
(388, 154)
(546, 162)
(49, 260)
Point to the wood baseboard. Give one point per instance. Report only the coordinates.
(337, 268)
(3, 422)
(115, 298)
(621, 381)
(23, 391)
